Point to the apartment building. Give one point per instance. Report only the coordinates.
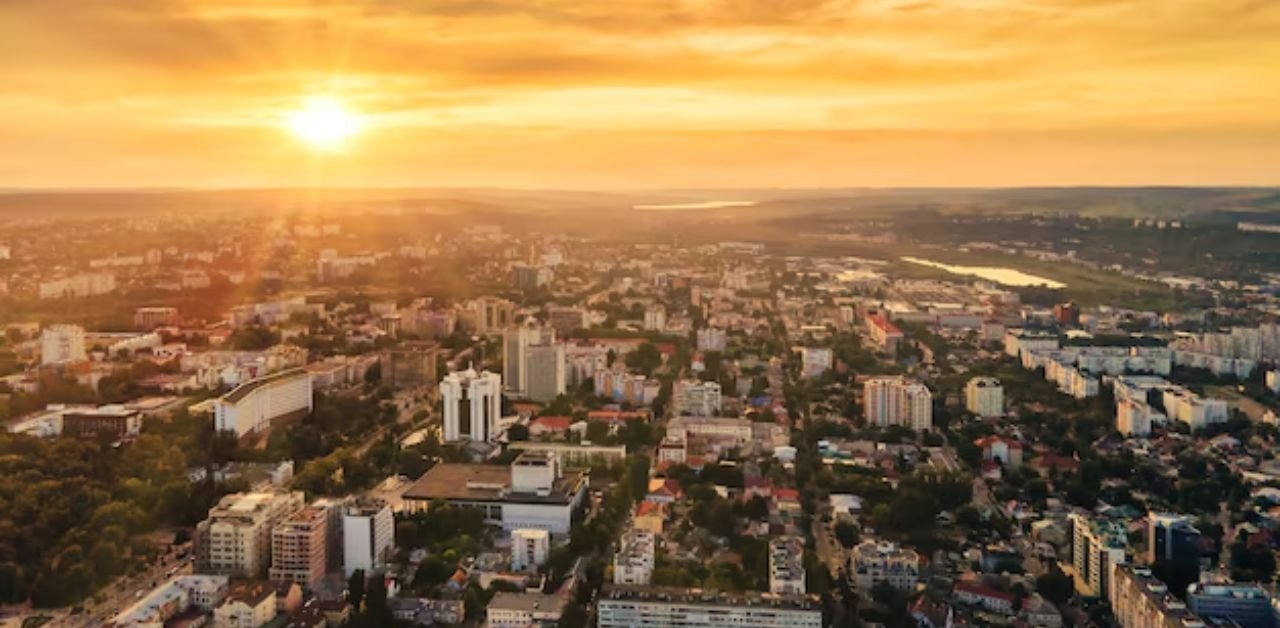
(984, 396)
(897, 401)
(628, 606)
(529, 548)
(1097, 546)
(62, 344)
(235, 539)
(882, 561)
(634, 560)
(691, 397)
(299, 548)
(368, 535)
(786, 566)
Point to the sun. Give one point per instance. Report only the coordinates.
(323, 122)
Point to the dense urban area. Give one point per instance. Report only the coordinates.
(399, 413)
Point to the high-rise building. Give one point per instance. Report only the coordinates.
(1097, 546)
(528, 277)
(61, 344)
(712, 339)
(897, 401)
(544, 371)
(235, 539)
(411, 365)
(566, 319)
(814, 361)
(984, 396)
(1171, 538)
(515, 355)
(633, 562)
(1139, 600)
(655, 318)
(368, 535)
(529, 548)
(691, 397)
(299, 551)
(472, 405)
(786, 565)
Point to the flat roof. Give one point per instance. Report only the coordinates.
(240, 392)
(677, 595)
(486, 483)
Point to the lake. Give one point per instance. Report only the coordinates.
(998, 274)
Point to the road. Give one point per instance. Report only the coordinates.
(129, 589)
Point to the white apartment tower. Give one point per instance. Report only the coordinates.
(633, 562)
(984, 396)
(60, 344)
(368, 535)
(897, 401)
(786, 566)
(472, 405)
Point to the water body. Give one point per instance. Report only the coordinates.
(700, 205)
(998, 274)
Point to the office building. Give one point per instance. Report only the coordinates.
(786, 565)
(516, 342)
(252, 406)
(534, 492)
(691, 397)
(655, 318)
(524, 610)
(1097, 546)
(472, 405)
(566, 319)
(544, 372)
(1247, 605)
(897, 401)
(368, 535)
(299, 548)
(529, 549)
(62, 344)
(109, 421)
(411, 365)
(984, 396)
(1171, 538)
(149, 318)
(634, 560)
(629, 606)
(235, 539)
(528, 277)
(882, 561)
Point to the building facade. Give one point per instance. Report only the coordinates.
(472, 405)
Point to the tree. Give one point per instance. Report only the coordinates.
(355, 588)
(846, 533)
(376, 602)
(518, 432)
(1055, 585)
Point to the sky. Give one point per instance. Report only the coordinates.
(636, 94)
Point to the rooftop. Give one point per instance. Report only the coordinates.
(677, 595)
(243, 390)
(486, 483)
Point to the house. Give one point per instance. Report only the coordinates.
(1006, 451)
(650, 516)
(549, 426)
(249, 604)
(664, 491)
(288, 597)
(310, 616)
(985, 597)
(336, 612)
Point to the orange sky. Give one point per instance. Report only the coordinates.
(629, 93)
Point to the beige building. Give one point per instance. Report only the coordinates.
(897, 401)
(248, 604)
(235, 539)
(881, 561)
(984, 396)
(299, 548)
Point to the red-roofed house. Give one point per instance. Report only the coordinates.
(544, 426)
(1006, 451)
(975, 594)
(883, 332)
(664, 491)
